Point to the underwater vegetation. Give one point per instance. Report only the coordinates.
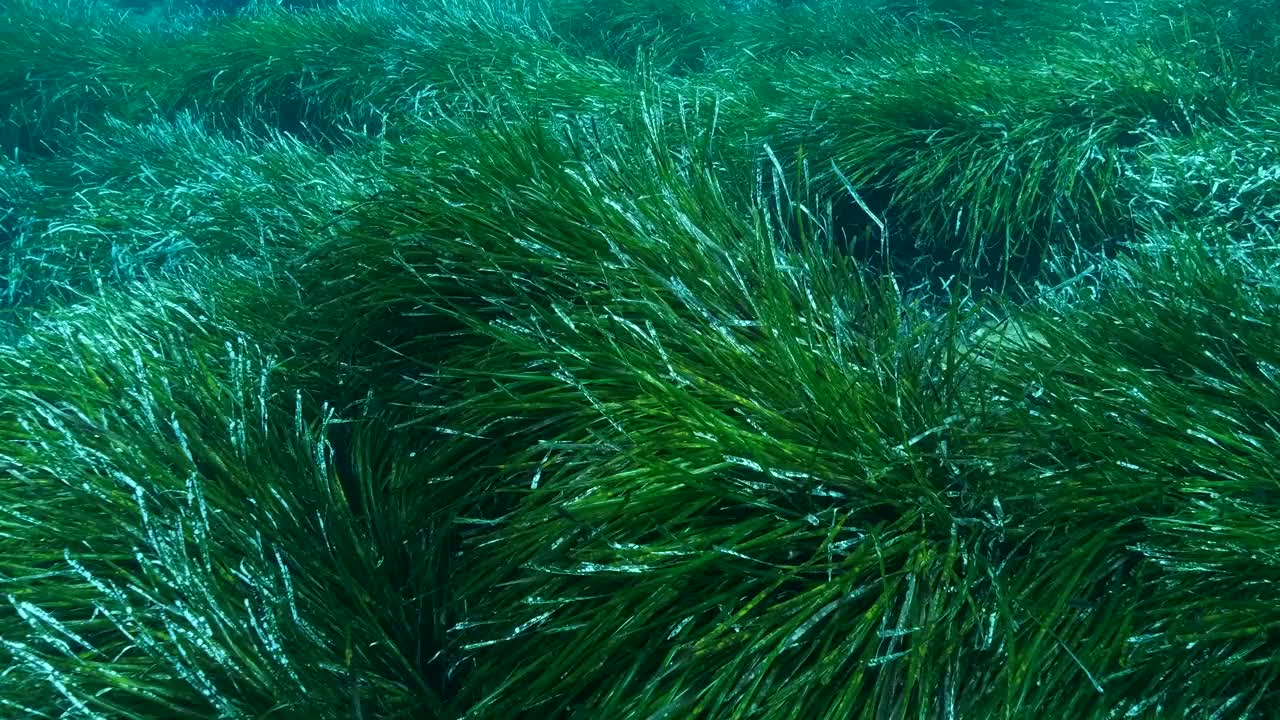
(707, 359)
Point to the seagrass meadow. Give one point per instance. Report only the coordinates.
(639, 360)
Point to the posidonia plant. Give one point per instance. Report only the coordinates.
(561, 359)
